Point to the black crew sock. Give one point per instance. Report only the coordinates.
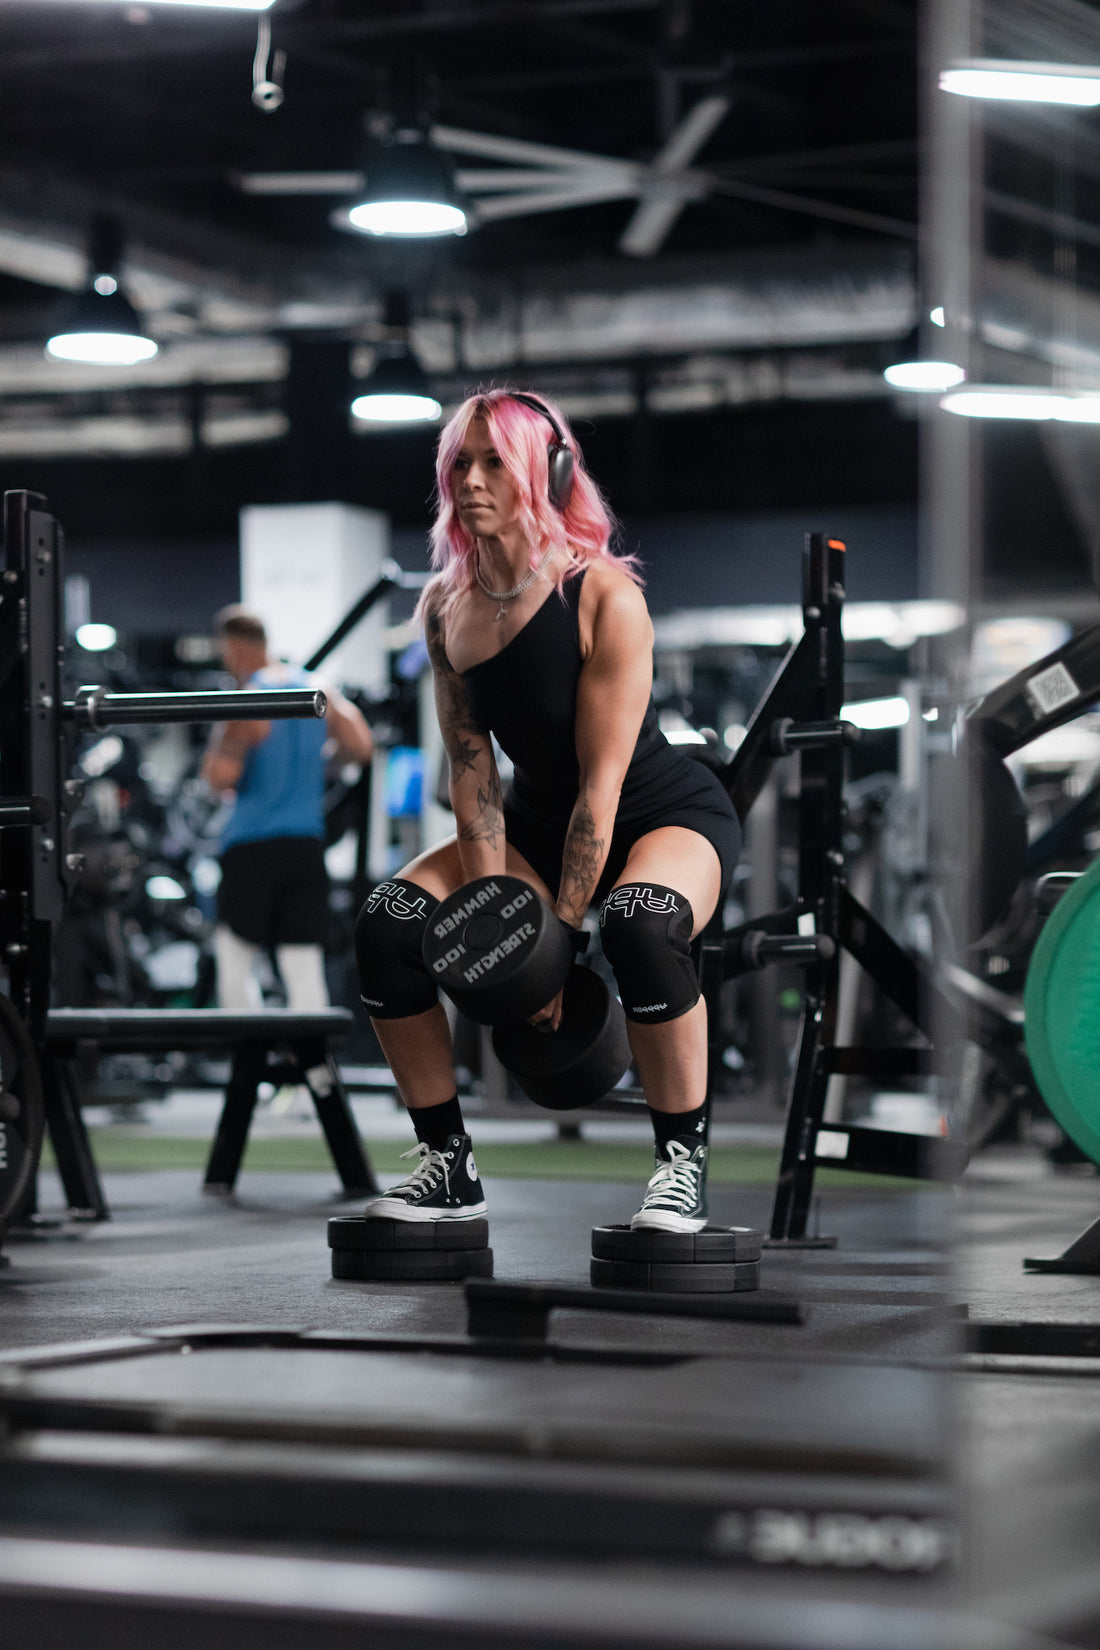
(669, 1125)
(435, 1125)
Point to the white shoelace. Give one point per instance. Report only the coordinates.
(676, 1181)
(425, 1177)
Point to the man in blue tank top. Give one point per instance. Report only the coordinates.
(273, 894)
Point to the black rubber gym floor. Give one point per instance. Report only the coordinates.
(1029, 1402)
(211, 1439)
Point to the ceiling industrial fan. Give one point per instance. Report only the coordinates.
(539, 177)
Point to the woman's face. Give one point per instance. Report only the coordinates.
(485, 496)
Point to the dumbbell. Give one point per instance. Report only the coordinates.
(501, 954)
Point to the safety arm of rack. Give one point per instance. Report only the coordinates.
(96, 708)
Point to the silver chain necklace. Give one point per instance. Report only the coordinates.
(503, 596)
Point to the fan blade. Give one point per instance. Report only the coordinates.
(697, 126)
(661, 205)
(299, 183)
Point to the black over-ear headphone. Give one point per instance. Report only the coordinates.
(559, 458)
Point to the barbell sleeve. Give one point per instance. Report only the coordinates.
(97, 708)
(759, 948)
(24, 810)
(788, 736)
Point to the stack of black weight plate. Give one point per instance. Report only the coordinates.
(717, 1260)
(409, 1251)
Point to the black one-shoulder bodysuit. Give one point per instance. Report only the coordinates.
(526, 696)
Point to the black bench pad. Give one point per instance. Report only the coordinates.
(275, 1044)
(177, 1028)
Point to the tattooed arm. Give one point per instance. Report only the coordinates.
(474, 784)
(612, 696)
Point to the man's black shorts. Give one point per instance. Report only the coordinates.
(275, 892)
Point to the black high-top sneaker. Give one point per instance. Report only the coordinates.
(443, 1186)
(676, 1197)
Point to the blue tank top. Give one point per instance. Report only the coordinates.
(281, 789)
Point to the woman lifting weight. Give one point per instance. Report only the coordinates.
(539, 635)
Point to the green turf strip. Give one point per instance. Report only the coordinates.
(120, 1148)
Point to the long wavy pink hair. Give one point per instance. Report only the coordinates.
(580, 534)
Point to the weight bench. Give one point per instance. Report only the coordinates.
(277, 1046)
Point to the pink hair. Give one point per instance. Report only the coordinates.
(579, 534)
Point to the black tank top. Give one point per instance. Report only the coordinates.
(526, 695)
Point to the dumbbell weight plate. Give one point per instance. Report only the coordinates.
(411, 1266)
(1062, 1012)
(373, 1236)
(676, 1280)
(497, 950)
(581, 1061)
(714, 1245)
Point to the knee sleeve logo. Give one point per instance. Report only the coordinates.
(393, 898)
(630, 900)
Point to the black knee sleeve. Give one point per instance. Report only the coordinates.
(645, 931)
(393, 981)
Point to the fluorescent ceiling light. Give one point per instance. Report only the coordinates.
(1079, 409)
(1011, 401)
(116, 349)
(222, 5)
(396, 409)
(397, 391)
(407, 218)
(409, 191)
(1024, 82)
(924, 375)
(877, 713)
(162, 887)
(96, 638)
(100, 325)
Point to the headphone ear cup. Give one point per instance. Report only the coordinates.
(560, 475)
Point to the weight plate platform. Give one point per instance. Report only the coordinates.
(411, 1265)
(1062, 1012)
(707, 1279)
(496, 949)
(354, 1232)
(714, 1245)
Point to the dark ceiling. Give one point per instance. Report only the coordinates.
(733, 364)
(151, 105)
(263, 307)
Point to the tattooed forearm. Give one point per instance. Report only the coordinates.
(462, 754)
(582, 861)
(487, 824)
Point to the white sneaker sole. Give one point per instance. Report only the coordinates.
(657, 1221)
(395, 1208)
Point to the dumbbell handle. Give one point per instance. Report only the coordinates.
(758, 948)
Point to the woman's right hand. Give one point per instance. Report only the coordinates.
(548, 1018)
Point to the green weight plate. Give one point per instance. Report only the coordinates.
(713, 1245)
(354, 1232)
(411, 1266)
(673, 1279)
(1062, 1012)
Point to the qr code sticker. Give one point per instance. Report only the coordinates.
(1052, 688)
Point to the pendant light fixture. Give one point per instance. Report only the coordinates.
(410, 190)
(100, 325)
(397, 390)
